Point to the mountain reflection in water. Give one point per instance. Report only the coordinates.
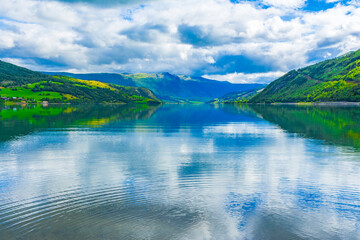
(179, 172)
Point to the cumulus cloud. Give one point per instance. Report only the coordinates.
(105, 3)
(285, 3)
(212, 37)
(247, 78)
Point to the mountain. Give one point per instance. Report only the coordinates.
(168, 87)
(21, 84)
(238, 97)
(333, 80)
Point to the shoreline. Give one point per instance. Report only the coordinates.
(320, 104)
(297, 104)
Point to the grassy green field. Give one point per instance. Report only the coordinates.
(28, 94)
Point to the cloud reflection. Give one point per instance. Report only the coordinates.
(243, 178)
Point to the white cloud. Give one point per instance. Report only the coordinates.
(285, 3)
(247, 78)
(171, 36)
(6, 40)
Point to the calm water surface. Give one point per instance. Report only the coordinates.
(180, 172)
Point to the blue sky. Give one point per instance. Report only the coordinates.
(235, 40)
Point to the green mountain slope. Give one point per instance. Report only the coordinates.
(332, 80)
(170, 87)
(21, 84)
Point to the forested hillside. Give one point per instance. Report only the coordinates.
(332, 80)
(21, 84)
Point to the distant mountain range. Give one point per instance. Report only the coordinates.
(238, 97)
(168, 87)
(332, 80)
(19, 84)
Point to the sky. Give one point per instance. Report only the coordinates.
(242, 41)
